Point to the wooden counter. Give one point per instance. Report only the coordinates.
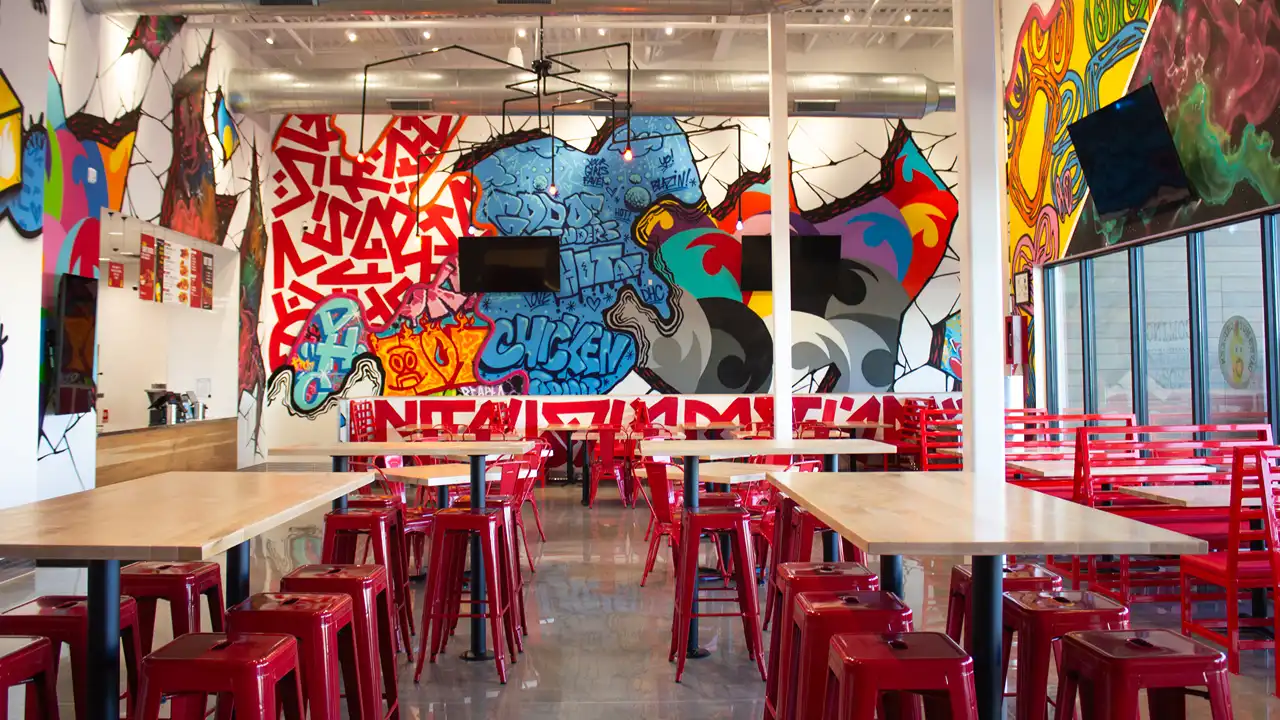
(201, 445)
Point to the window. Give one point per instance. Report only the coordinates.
(1114, 341)
(1070, 339)
(1236, 324)
(1168, 333)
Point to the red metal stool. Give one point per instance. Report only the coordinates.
(779, 549)
(179, 584)
(1017, 576)
(818, 617)
(733, 521)
(1109, 668)
(324, 627)
(30, 661)
(450, 541)
(372, 611)
(417, 530)
(258, 672)
(1040, 619)
(862, 667)
(385, 530)
(509, 560)
(794, 578)
(65, 619)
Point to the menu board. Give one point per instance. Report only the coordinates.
(115, 275)
(170, 271)
(206, 280)
(147, 269)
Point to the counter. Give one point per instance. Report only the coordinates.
(196, 445)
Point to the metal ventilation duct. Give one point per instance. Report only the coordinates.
(653, 92)
(454, 8)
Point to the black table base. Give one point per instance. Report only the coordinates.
(103, 654)
(693, 650)
(479, 648)
(339, 465)
(988, 630)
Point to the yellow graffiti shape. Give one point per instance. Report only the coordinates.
(921, 219)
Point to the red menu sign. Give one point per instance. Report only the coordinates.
(206, 280)
(115, 275)
(193, 280)
(147, 268)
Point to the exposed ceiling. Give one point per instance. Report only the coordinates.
(328, 40)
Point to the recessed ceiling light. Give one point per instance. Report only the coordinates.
(351, 35)
(669, 31)
(521, 32)
(271, 39)
(426, 34)
(906, 18)
(600, 31)
(848, 17)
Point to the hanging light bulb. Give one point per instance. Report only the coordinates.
(551, 189)
(360, 157)
(739, 224)
(627, 154)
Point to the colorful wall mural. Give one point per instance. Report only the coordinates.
(362, 279)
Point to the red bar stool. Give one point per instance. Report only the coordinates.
(385, 532)
(1017, 576)
(780, 548)
(179, 584)
(371, 608)
(259, 672)
(30, 661)
(450, 541)
(65, 619)
(818, 617)
(794, 578)
(417, 529)
(861, 667)
(1111, 667)
(1040, 619)
(717, 520)
(509, 559)
(324, 627)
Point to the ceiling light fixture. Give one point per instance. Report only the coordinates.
(906, 18)
(351, 36)
(848, 17)
(271, 39)
(426, 34)
(521, 32)
(600, 31)
(669, 30)
(627, 155)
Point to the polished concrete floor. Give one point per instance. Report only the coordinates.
(598, 641)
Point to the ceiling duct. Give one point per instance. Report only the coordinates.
(653, 92)
(452, 8)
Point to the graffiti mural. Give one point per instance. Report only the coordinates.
(22, 157)
(362, 273)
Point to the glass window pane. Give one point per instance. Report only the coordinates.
(1168, 332)
(1234, 309)
(1069, 339)
(1114, 387)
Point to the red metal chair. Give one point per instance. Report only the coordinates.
(665, 520)
(65, 619)
(30, 661)
(254, 674)
(939, 436)
(371, 609)
(818, 617)
(906, 438)
(866, 669)
(179, 584)
(1251, 560)
(324, 626)
(1111, 667)
(1040, 619)
(606, 461)
(1017, 576)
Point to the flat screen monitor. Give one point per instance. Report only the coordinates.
(509, 264)
(815, 263)
(1128, 157)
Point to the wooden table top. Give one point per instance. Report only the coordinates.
(860, 425)
(1065, 469)
(717, 449)
(713, 425)
(724, 473)
(934, 513)
(1060, 453)
(176, 516)
(435, 475)
(1197, 496)
(409, 449)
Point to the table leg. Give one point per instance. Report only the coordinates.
(442, 497)
(830, 540)
(479, 648)
(339, 465)
(691, 484)
(586, 472)
(891, 574)
(568, 449)
(988, 589)
(237, 574)
(103, 668)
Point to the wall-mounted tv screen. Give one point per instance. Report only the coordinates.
(509, 264)
(1128, 157)
(815, 263)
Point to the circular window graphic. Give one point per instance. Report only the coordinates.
(1237, 352)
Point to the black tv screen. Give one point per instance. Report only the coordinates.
(75, 340)
(815, 263)
(1128, 157)
(509, 264)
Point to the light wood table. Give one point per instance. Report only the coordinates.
(1057, 453)
(1194, 496)
(176, 516)
(475, 451)
(694, 451)
(693, 428)
(861, 425)
(1066, 469)
(441, 477)
(943, 513)
(725, 473)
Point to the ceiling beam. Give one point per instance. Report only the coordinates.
(229, 23)
(724, 41)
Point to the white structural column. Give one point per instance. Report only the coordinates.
(780, 224)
